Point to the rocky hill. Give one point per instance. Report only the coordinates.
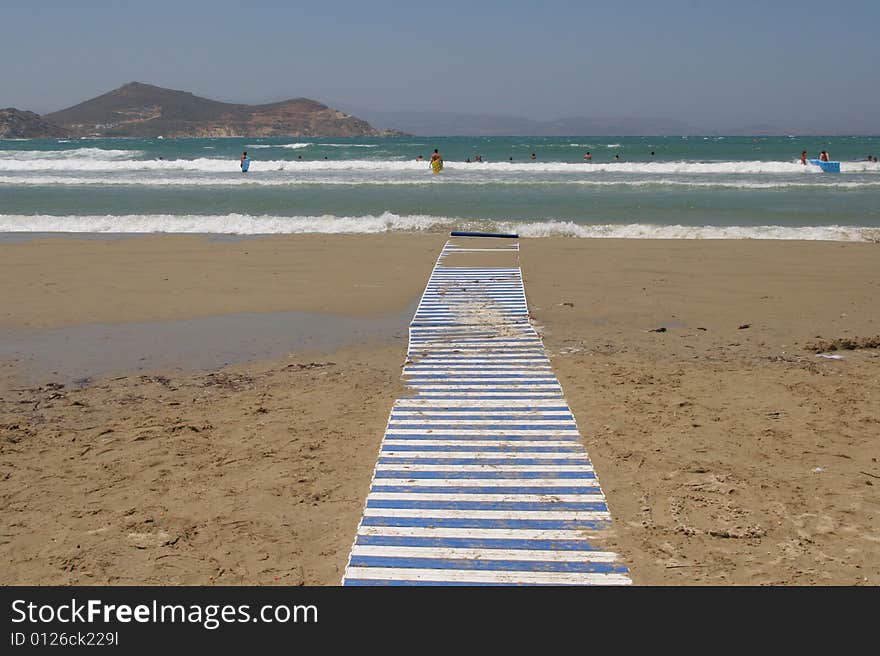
(18, 124)
(143, 110)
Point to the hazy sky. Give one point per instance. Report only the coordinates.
(725, 63)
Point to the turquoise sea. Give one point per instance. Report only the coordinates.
(680, 187)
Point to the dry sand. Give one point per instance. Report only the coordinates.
(728, 454)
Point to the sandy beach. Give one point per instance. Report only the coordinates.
(730, 452)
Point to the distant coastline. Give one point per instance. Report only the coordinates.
(137, 110)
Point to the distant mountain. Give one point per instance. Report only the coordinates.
(18, 124)
(451, 123)
(144, 110)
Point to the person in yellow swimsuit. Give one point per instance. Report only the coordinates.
(436, 161)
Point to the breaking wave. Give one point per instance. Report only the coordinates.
(244, 224)
(290, 146)
(118, 160)
(284, 177)
(69, 155)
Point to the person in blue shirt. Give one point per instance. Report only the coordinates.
(245, 162)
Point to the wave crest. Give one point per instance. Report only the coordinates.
(244, 224)
(110, 160)
(92, 154)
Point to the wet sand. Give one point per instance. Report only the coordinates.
(60, 282)
(729, 454)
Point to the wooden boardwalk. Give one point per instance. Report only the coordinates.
(482, 478)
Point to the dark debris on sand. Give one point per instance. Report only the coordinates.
(843, 344)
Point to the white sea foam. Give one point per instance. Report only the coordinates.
(648, 231)
(293, 146)
(241, 224)
(285, 177)
(297, 146)
(109, 165)
(69, 155)
(118, 160)
(289, 146)
(246, 224)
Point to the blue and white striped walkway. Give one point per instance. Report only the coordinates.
(482, 478)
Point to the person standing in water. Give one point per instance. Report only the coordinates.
(245, 162)
(804, 157)
(436, 161)
(587, 156)
(824, 156)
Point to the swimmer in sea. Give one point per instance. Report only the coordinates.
(534, 157)
(436, 162)
(587, 156)
(245, 162)
(804, 157)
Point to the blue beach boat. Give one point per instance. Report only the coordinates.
(827, 167)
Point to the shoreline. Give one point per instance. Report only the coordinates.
(728, 451)
(97, 228)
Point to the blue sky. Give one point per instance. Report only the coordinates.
(712, 64)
